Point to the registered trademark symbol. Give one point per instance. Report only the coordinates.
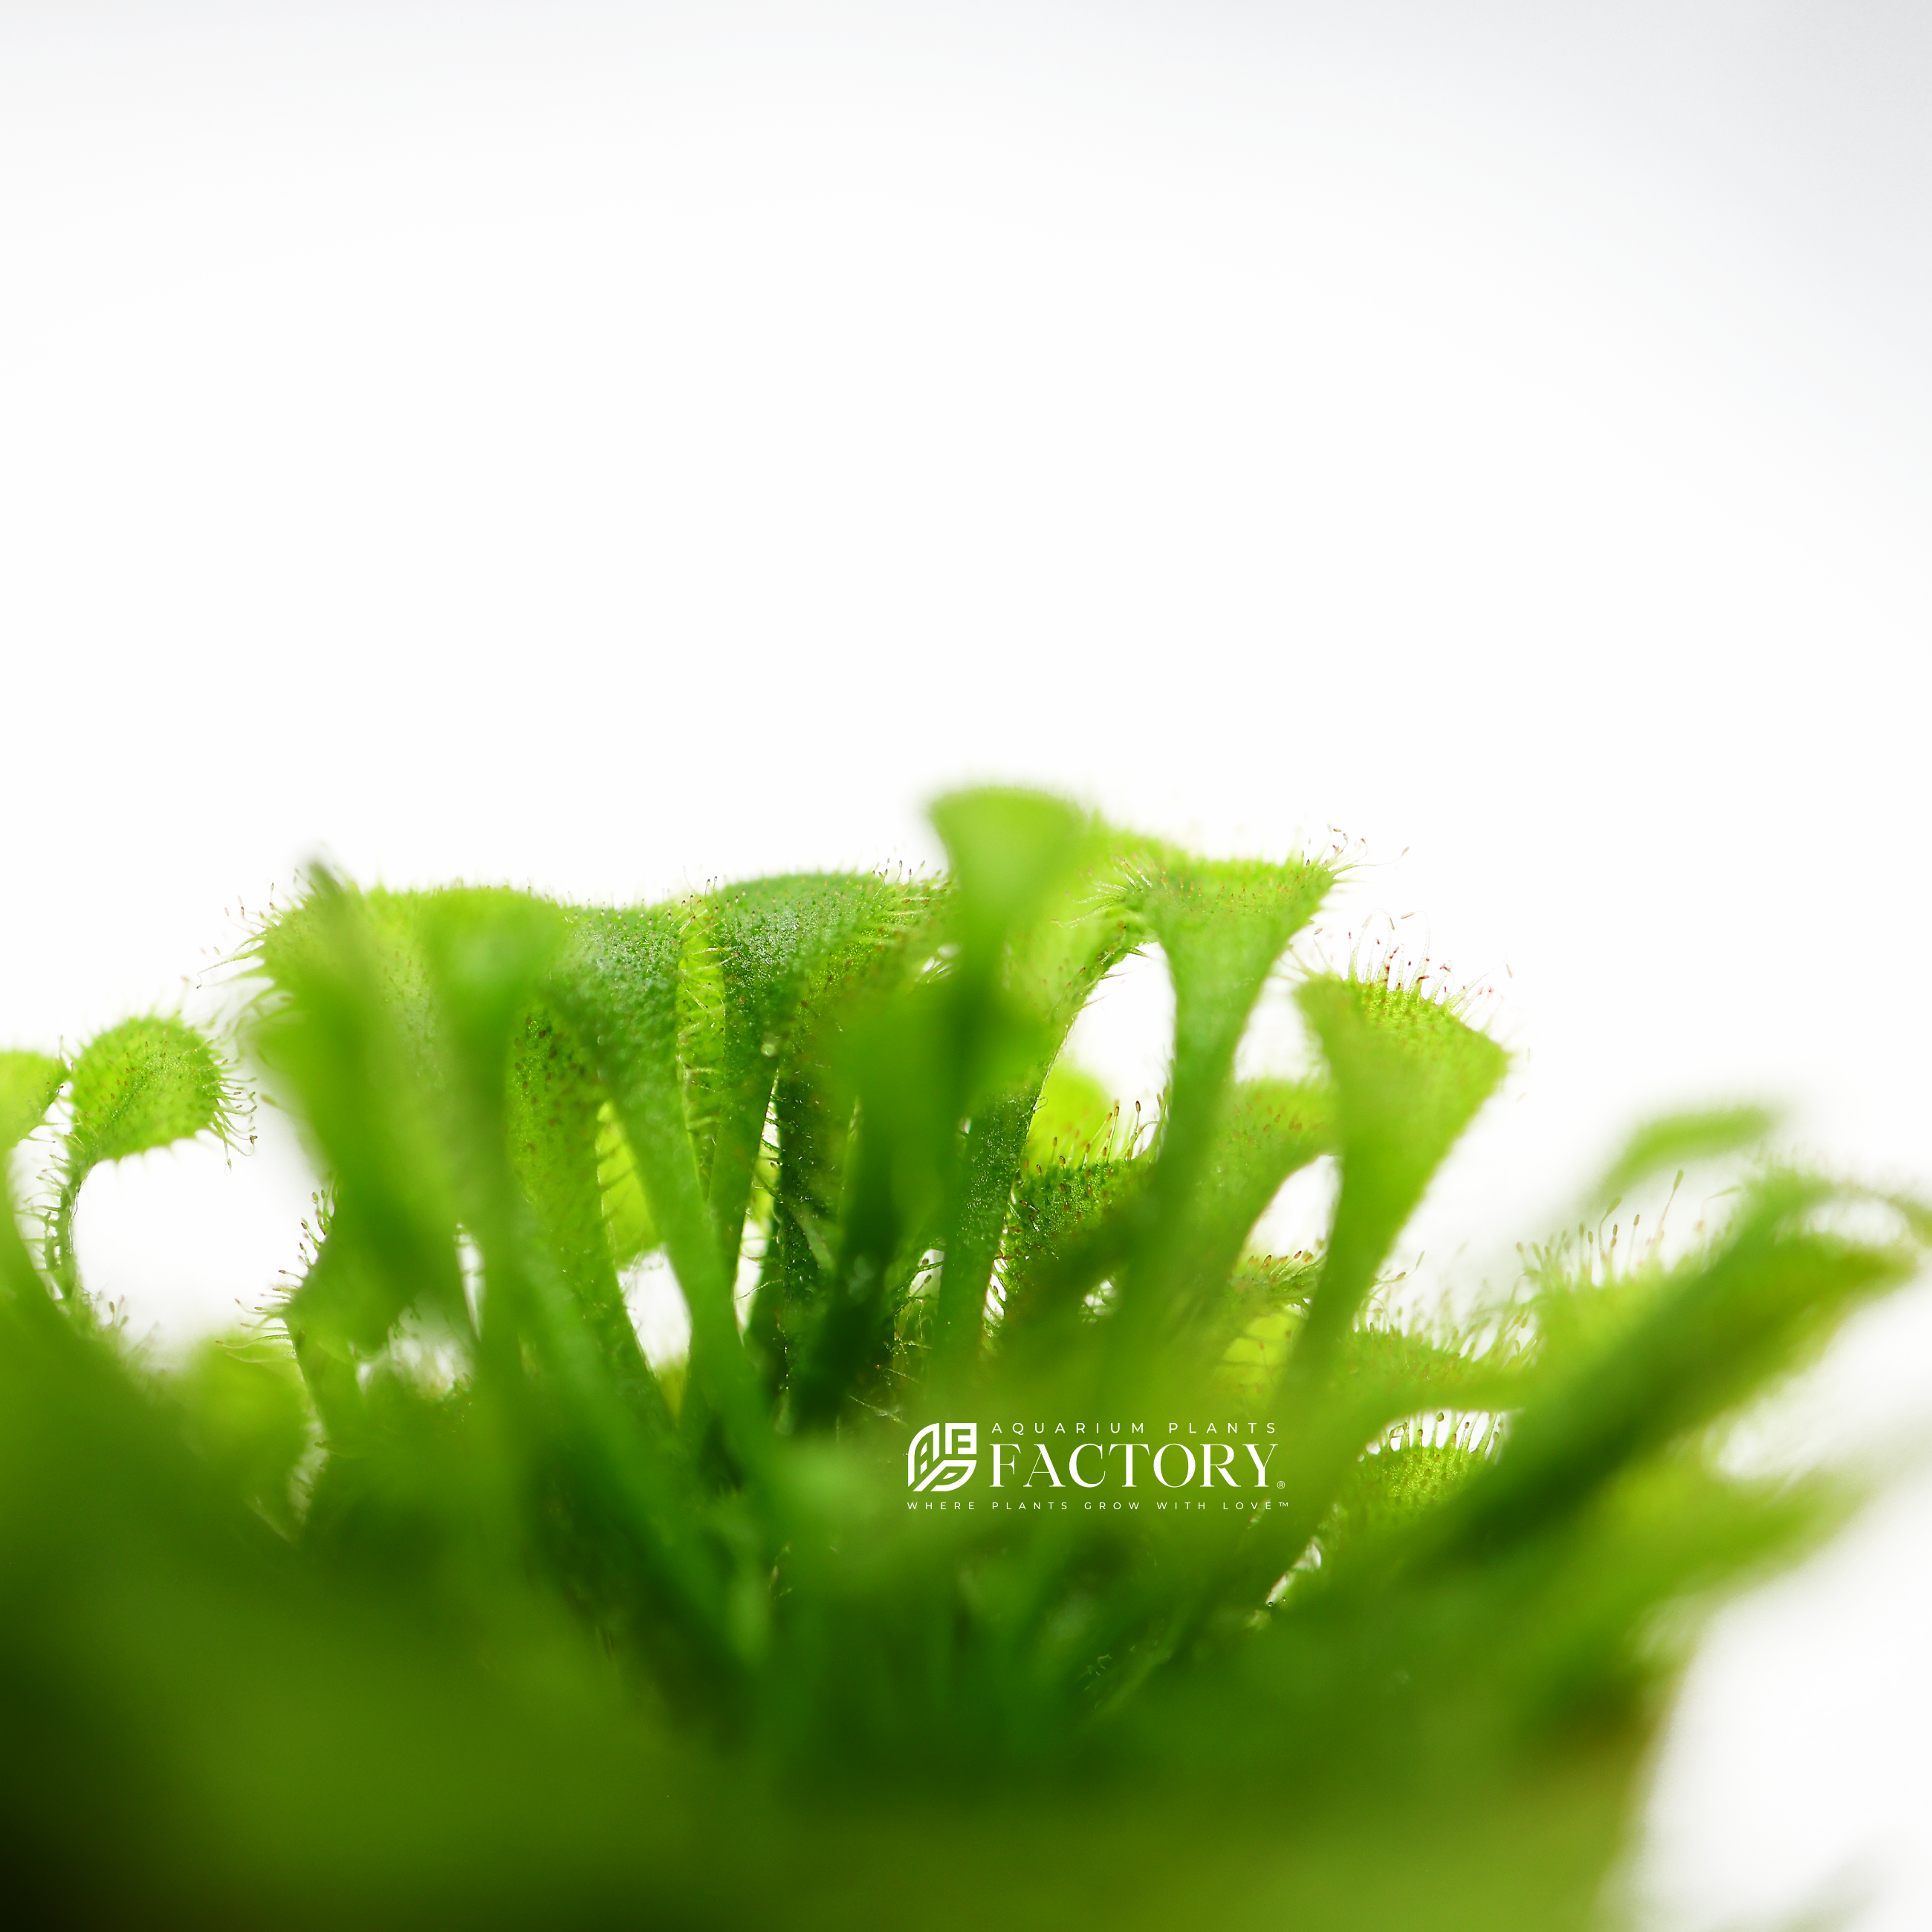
(1280, 1484)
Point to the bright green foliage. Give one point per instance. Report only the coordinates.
(1223, 926)
(246, 1416)
(1680, 1139)
(1408, 1078)
(628, 1224)
(354, 1037)
(1267, 1130)
(453, 1609)
(28, 1084)
(1074, 1112)
(144, 1084)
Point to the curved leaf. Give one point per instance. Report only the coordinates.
(1409, 1076)
(29, 1084)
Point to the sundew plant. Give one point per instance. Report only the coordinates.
(1016, 1544)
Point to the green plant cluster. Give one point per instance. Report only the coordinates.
(435, 1599)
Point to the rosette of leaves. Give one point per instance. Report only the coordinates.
(521, 1627)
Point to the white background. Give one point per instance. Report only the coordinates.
(614, 447)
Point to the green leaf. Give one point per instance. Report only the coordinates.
(1074, 1112)
(1268, 1130)
(1677, 1140)
(782, 949)
(1700, 1341)
(145, 1084)
(628, 1226)
(1008, 848)
(1409, 1076)
(1047, 941)
(1223, 924)
(617, 985)
(348, 1029)
(243, 1406)
(29, 1083)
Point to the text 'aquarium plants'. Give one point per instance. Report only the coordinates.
(1016, 1544)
